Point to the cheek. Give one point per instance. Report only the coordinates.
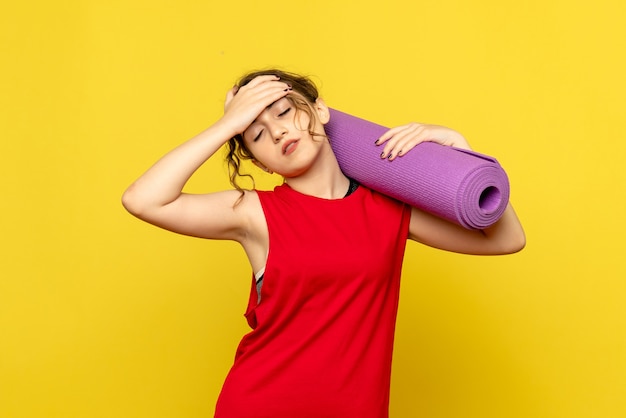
(302, 120)
(261, 151)
(247, 149)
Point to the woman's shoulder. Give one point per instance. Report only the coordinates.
(381, 197)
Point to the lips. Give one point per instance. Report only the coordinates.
(290, 146)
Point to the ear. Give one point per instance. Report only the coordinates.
(322, 111)
(261, 166)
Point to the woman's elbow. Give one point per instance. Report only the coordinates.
(514, 244)
(131, 202)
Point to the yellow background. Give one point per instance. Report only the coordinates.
(102, 315)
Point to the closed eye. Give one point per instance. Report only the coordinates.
(256, 138)
(284, 112)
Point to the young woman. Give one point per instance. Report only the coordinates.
(326, 252)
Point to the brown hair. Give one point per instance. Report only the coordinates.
(303, 100)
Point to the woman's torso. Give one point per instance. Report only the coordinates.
(322, 335)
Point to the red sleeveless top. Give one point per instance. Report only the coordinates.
(322, 334)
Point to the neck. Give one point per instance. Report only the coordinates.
(324, 179)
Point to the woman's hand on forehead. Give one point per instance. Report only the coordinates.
(244, 104)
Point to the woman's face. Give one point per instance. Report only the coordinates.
(280, 140)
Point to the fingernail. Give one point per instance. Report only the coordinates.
(382, 154)
(376, 142)
(390, 155)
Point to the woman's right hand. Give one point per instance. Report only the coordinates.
(244, 105)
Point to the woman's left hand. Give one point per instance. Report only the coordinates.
(400, 140)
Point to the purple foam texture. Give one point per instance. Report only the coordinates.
(464, 187)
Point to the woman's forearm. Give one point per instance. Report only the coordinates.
(163, 183)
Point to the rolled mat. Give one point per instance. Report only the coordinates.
(464, 187)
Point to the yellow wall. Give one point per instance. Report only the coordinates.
(104, 316)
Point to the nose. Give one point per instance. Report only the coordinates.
(279, 133)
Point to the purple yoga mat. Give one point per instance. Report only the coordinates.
(464, 187)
